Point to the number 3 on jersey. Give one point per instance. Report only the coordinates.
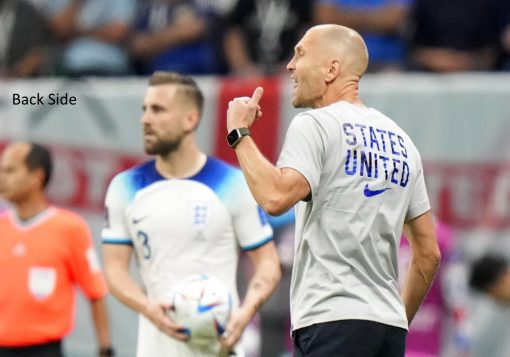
(144, 238)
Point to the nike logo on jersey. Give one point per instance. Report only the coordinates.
(204, 308)
(139, 219)
(370, 193)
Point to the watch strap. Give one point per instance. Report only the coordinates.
(235, 136)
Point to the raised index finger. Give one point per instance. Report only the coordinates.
(257, 94)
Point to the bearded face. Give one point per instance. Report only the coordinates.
(164, 120)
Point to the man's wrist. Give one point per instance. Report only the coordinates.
(107, 351)
(235, 136)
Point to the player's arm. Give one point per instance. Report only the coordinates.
(275, 189)
(100, 318)
(266, 275)
(425, 259)
(126, 289)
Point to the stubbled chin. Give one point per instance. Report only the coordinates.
(148, 139)
(148, 143)
(294, 96)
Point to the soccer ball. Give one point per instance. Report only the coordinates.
(202, 305)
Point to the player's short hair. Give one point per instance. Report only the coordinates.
(39, 157)
(188, 86)
(486, 271)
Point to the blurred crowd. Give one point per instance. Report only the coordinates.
(76, 38)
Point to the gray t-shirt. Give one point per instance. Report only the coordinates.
(366, 179)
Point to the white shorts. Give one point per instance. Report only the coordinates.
(152, 342)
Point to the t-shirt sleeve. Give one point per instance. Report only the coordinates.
(419, 202)
(251, 224)
(84, 262)
(303, 149)
(115, 230)
(122, 10)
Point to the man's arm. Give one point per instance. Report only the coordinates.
(187, 28)
(114, 32)
(386, 19)
(236, 54)
(28, 65)
(266, 275)
(275, 189)
(425, 259)
(100, 319)
(125, 288)
(63, 23)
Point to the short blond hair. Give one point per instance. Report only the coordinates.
(188, 86)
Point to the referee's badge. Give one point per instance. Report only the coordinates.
(42, 281)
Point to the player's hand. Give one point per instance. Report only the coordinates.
(158, 315)
(235, 327)
(243, 111)
(106, 351)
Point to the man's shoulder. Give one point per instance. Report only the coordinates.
(4, 216)
(313, 119)
(223, 178)
(144, 169)
(140, 168)
(217, 172)
(217, 164)
(67, 217)
(323, 112)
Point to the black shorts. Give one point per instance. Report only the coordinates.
(50, 349)
(350, 338)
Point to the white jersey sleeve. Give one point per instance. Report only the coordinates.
(115, 230)
(251, 224)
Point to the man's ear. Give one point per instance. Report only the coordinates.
(335, 67)
(191, 120)
(37, 178)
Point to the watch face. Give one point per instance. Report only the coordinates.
(232, 137)
(235, 136)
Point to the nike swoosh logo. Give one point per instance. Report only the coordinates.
(204, 308)
(138, 220)
(370, 193)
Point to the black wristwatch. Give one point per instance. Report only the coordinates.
(235, 136)
(106, 352)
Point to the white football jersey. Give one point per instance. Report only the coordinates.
(180, 227)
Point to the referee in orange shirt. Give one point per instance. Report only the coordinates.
(44, 252)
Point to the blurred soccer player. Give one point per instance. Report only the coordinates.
(356, 177)
(44, 252)
(183, 213)
(490, 274)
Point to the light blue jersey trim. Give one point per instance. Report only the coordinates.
(258, 244)
(117, 241)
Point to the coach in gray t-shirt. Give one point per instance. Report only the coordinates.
(357, 178)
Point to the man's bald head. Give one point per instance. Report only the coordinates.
(327, 65)
(343, 44)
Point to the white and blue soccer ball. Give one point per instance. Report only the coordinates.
(202, 305)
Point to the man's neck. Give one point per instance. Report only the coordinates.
(31, 207)
(347, 91)
(182, 163)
